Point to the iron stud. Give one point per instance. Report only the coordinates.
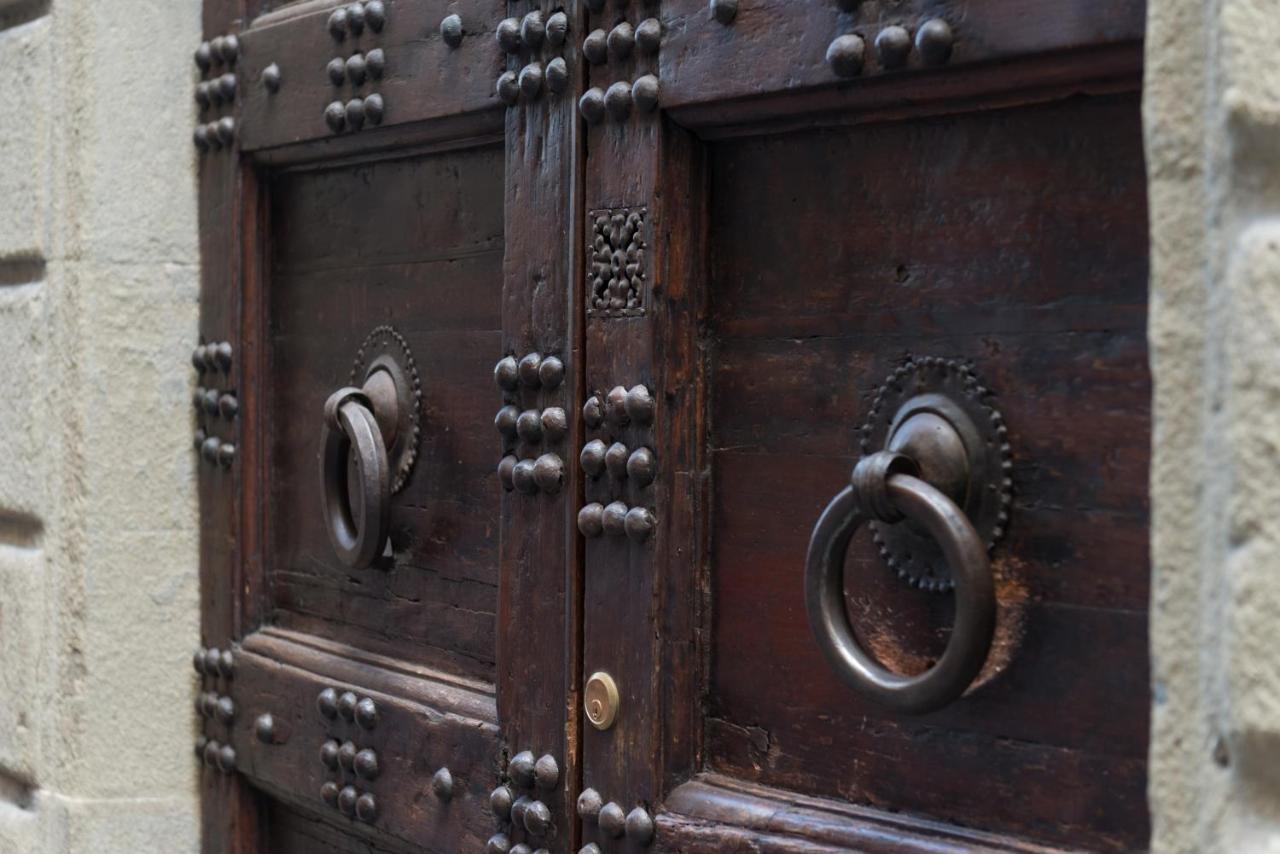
(845, 55)
(532, 29)
(367, 713)
(376, 60)
(335, 115)
(649, 35)
(355, 113)
(724, 11)
(442, 784)
(893, 46)
(531, 77)
(595, 47)
(557, 29)
(591, 520)
(337, 69)
(621, 40)
(357, 69)
(548, 473)
(271, 78)
(934, 40)
(508, 35)
(645, 93)
(374, 108)
(508, 88)
(451, 30)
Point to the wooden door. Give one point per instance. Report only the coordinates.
(359, 186)
(539, 343)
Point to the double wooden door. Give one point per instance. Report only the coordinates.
(538, 344)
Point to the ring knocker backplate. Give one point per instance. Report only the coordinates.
(948, 390)
(386, 349)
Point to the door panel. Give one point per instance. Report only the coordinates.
(977, 258)
(351, 703)
(338, 273)
(697, 245)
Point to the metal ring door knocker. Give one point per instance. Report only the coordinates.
(374, 430)
(939, 493)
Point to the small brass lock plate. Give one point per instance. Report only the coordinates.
(600, 700)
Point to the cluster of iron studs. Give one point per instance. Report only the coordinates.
(216, 60)
(619, 45)
(357, 68)
(213, 665)
(354, 766)
(893, 44)
(619, 408)
(901, 377)
(529, 40)
(516, 805)
(524, 432)
(637, 825)
(616, 267)
(213, 360)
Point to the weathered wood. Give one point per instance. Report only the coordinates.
(954, 233)
(539, 562)
(773, 48)
(424, 78)
(422, 725)
(716, 813)
(758, 254)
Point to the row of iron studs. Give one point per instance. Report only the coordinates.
(517, 806)
(620, 408)
(344, 757)
(531, 34)
(618, 45)
(213, 361)
(933, 40)
(637, 825)
(530, 428)
(216, 61)
(212, 666)
(351, 21)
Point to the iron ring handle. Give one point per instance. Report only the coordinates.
(350, 426)
(975, 611)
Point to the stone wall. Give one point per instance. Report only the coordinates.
(1212, 113)
(98, 300)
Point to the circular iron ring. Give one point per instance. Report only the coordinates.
(349, 425)
(966, 555)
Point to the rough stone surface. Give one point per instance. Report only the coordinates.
(1212, 115)
(98, 296)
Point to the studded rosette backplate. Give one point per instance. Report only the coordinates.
(907, 550)
(385, 348)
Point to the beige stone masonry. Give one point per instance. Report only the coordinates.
(1212, 115)
(98, 301)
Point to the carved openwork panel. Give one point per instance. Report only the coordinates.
(617, 272)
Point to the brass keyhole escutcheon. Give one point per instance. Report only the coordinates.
(601, 700)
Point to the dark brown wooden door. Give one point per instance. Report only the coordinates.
(620, 292)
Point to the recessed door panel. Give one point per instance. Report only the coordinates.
(1011, 244)
(413, 244)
